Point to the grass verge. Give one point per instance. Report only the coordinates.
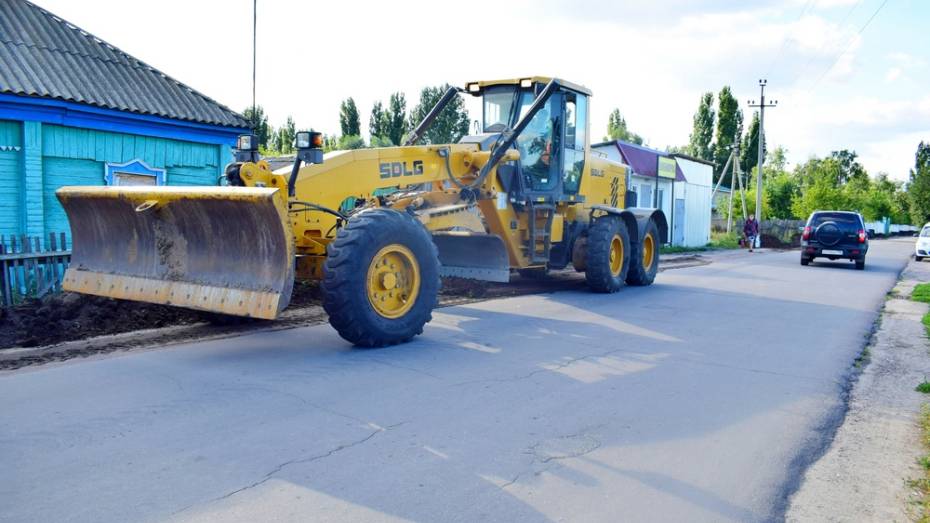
(921, 292)
(718, 241)
(922, 485)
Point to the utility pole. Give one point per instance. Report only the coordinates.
(742, 191)
(732, 190)
(734, 157)
(761, 106)
(254, 40)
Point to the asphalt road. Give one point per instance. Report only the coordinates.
(699, 398)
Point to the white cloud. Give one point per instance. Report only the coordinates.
(651, 60)
(893, 74)
(894, 154)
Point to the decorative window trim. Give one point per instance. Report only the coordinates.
(135, 167)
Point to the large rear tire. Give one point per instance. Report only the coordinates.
(608, 254)
(644, 264)
(380, 278)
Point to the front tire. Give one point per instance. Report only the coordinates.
(381, 278)
(608, 254)
(644, 264)
(919, 258)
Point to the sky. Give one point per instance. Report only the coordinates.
(851, 74)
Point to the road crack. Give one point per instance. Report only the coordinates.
(297, 461)
(548, 454)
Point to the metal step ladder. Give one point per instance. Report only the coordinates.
(540, 216)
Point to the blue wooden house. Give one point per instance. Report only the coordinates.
(74, 110)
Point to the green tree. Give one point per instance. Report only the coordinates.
(849, 167)
(700, 143)
(749, 151)
(750, 182)
(781, 187)
(775, 161)
(381, 141)
(377, 124)
(729, 126)
(618, 130)
(330, 143)
(451, 124)
(348, 118)
(396, 118)
(918, 188)
(779, 193)
(350, 142)
(258, 123)
(284, 137)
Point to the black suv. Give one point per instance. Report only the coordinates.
(835, 235)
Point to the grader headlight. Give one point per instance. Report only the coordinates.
(247, 142)
(309, 140)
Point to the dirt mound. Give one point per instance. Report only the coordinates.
(775, 242)
(70, 316)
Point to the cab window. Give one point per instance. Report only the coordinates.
(576, 125)
(538, 150)
(498, 107)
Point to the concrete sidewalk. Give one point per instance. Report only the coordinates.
(863, 475)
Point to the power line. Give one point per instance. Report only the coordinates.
(848, 46)
(820, 48)
(254, 40)
(784, 40)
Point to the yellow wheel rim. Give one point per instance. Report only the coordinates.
(616, 255)
(393, 281)
(649, 251)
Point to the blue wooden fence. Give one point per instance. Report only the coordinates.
(30, 267)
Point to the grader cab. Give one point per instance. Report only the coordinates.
(377, 227)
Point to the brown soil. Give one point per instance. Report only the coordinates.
(70, 316)
(59, 327)
(774, 242)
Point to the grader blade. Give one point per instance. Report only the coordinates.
(228, 250)
(472, 255)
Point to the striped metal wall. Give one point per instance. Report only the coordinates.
(52, 156)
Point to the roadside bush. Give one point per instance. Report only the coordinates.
(722, 240)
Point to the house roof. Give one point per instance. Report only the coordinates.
(643, 160)
(692, 158)
(42, 55)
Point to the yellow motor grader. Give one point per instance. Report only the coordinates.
(378, 227)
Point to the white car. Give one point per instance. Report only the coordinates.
(922, 248)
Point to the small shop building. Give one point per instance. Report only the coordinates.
(678, 184)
